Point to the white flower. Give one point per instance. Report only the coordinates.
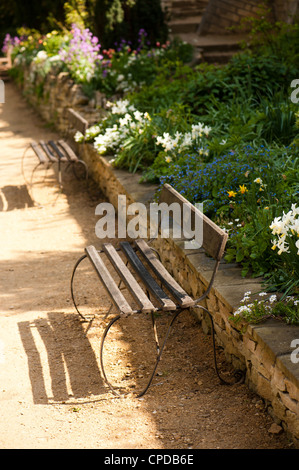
(284, 226)
(258, 180)
(138, 116)
(40, 56)
(78, 137)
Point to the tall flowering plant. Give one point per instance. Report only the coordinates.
(182, 142)
(286, 231)
(82, 54)
(10, 41)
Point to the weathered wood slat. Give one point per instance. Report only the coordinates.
(61, 155)
(38, 152)
(108, 282)
(49, 153)
(214, 238)
(170, 283)
(128, 278)
(146, 278)
(68, 150)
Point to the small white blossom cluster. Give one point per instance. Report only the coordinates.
(247, 307)
(183, 141)
(127, 84)
(41, 64)
(259, 309)
(90, 133)
(120, 107)
(130, 120)
(284, 227)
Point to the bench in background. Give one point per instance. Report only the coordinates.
(60, 152)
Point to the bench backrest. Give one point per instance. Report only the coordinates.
(77, 121)
(213, 237)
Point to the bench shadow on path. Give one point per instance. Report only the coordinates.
(15, 197)
(71, 370)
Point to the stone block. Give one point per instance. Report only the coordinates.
(278, 380)
(289, 403)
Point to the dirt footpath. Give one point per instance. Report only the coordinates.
(52, 395)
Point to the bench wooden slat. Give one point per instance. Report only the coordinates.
(107, 281)
(170, 283)
(147, 279)
(214, 238)
(49, 153)
(78, 122)
(68, 150)
(61, 155)
(37, 150)
(128, 278)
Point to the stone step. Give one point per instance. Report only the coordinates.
(213, 42)
(185, 25)
(213, 48)
(179, 9)
(217, 57)
(182, 5)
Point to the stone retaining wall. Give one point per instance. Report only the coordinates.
(264, 351)
(220, 15)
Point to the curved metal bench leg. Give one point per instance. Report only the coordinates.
(22, 165)
(160, 353)
(30, 187)
(239, 375)
(114, 320)
(72, 288)
(80, 162)
(101, 354)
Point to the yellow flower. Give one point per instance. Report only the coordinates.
(231, 193)
(243, 189)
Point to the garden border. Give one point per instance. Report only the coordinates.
(263, 350)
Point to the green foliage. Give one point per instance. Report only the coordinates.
(122, 19)
(76, 13)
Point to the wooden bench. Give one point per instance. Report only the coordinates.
(149, 283)
(60, 152)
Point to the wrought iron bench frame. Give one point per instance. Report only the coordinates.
(60, 151)
(176, 300)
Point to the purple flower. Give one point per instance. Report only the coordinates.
(10, 41)
(82, 54)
